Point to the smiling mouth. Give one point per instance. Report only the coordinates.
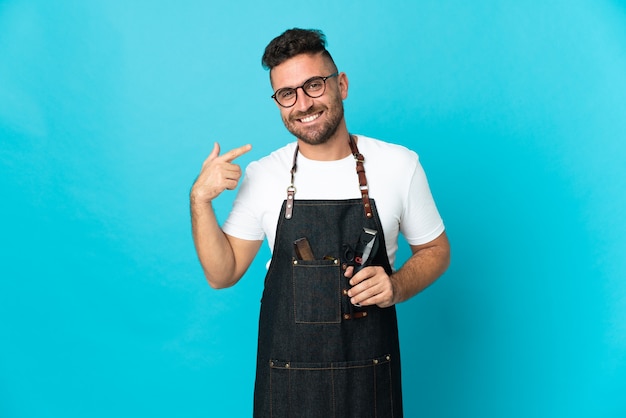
(310, 118)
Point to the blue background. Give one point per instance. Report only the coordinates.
(108, 109)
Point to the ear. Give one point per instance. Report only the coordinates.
(342, 79)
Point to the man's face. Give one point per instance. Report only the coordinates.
(312, 120)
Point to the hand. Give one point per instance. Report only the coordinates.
(218, 174)
(371, 286)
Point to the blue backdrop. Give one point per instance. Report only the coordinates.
(108, 108)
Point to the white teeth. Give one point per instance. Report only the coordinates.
(310, 118)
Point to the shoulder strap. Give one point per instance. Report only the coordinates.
(360, 170)
(291, 190)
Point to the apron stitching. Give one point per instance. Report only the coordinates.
(332, 380)
(270, 395)
(375, 398)
(390, 391)
(289, 390)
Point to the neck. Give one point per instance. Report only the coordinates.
(336, 148)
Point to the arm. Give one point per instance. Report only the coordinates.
(224, 258)
(372, 286)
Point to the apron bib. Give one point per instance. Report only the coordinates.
(319, 355)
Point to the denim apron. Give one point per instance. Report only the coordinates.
(319, 355)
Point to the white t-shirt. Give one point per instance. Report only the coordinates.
(397, 183)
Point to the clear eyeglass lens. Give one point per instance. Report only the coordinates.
(286, 95)
(313, 88)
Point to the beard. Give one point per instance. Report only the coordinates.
(321, 133)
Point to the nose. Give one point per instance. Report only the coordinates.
(303, 101)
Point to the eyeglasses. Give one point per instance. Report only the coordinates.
(314, 87)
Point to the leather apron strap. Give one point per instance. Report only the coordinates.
(360, 170)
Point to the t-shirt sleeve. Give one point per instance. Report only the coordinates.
(421, 222)
(243, 221)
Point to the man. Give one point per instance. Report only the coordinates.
(328, 342)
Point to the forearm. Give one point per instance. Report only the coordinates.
(224, 259)
(426, 265)
(212, 246)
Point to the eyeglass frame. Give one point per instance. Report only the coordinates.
(295, 89)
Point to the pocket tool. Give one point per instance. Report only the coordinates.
(364, 251)
(303, 249)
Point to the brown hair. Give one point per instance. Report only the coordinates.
(294, 42)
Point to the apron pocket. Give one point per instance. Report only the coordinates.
(359, 389)
(317, 292)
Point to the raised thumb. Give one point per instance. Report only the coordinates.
(216, 151)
